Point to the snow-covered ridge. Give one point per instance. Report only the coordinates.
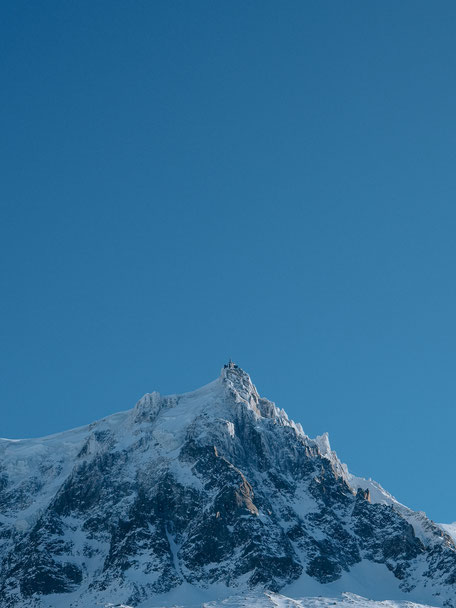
(450, 529)
(235, 382)
(276, 600)
(24, 458)
(217, 491)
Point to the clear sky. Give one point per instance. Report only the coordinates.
(182, 182)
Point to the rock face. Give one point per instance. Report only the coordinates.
(213, 487)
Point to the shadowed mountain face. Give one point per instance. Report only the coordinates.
(210, 489)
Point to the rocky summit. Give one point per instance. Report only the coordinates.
(204, 495)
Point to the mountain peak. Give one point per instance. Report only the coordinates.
(215, 489)
(240, 386)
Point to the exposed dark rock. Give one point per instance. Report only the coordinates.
(216, 486)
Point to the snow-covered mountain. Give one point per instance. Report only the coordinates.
(450, 529)
(193, 498)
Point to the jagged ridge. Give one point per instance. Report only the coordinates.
(214, 489)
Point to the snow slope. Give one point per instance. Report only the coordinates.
(194, 498)
(276, 600)
(450, 529)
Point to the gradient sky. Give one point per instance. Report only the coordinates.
(273, 181)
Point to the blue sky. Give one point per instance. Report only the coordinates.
(271, 181)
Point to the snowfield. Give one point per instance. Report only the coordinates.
(276, 600)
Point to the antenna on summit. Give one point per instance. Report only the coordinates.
(230, 365)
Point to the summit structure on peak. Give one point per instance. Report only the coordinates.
(212, 492)
(230, 365)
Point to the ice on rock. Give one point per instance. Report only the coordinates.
(322, 442)
(450, 529)
(188, 499)
(230, 427)
(148, 407)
